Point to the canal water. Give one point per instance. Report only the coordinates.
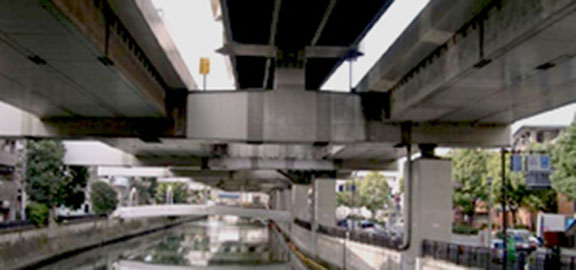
(214, 243)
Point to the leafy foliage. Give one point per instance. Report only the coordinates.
(180, 193)
(38, 213)
(104, 198)
(471, 169)
(48, 181)
(469, 174)
(564, 161)
(464, 229)
(146, 190)
(372, 192)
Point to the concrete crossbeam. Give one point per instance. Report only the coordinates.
(318, 117)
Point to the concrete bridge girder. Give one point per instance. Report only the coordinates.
(499, 62)
(298, 116)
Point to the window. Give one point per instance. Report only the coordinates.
(540, 137)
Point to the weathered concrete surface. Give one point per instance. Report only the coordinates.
(24, 248)
(339, 252)
(480, 62)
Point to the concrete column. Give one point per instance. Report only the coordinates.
(299, 203)
(272, 200)
(278, 194)
(431, 206)
(325, 201)
(286, 199)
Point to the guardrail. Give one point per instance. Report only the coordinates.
(374, 239)
(548, 261)
(486, 258)
(79, 219)
(302, 223)
(470, 256)
(19, 225)
(14, 225)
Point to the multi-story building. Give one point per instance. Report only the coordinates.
(527, 135)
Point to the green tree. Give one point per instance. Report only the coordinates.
(38, 213)
(146, 189)
(469, 173)
(372, 192)
(346, 197)
(180, 193)
(518, 194)
(104, 198)
(564, 162)
(48, 181)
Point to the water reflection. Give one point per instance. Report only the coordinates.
(219, 243)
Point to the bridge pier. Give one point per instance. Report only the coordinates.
(299, 202)
(323, 208)
(431, 206)
(325, 202)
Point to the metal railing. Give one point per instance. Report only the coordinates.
(332, 231)
(375, 239)
(79, 219)
(302, 223)
(14, 225)
(486, 258)
(470, 256)
(547, 261)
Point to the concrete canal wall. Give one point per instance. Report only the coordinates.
(28, 247)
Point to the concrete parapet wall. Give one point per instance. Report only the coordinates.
(357, 255)
(27, 247)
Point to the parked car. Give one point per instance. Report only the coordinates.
(364, 224)
(497, 250)
(522, 240)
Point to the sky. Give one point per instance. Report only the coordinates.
(196, 34)
(376, 42)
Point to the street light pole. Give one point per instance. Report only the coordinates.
(504, 214)
(489, 238)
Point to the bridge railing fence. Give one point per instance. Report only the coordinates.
(486, 258)
(470, 256)
(375, 239)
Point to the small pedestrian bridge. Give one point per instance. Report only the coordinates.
(135, 265)
(146, 211)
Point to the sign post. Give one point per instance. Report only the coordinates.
(504, 214)
(204, 70)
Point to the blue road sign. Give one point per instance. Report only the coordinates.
(545, 162)
(516, 163)
(352, 188)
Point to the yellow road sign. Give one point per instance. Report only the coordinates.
(204, 65)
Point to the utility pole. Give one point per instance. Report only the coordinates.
(504, 213)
